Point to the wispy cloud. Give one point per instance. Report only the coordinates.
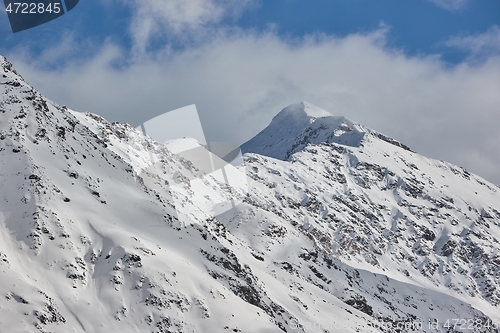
(450, 4)
(479, 46)
(177, 17)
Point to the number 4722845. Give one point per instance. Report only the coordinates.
(33, 8)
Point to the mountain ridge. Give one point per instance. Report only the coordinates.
(366, 238)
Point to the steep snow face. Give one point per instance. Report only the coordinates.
(90, 240)
(301, 124)
(354, 237)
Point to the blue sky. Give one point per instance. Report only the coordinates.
(426, 72)
(416, 26)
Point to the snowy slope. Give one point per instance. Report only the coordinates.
(346, 232)
(375, 202)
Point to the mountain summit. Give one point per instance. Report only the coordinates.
(304, 109)
(298, 125)
(347, 232)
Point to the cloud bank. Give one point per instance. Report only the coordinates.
(239, 81)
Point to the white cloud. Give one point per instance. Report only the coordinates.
(240, 81)
(177, 17)
(480, 46)
(450, 4)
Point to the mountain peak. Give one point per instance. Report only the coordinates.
(300, 124)
(7, 65)
(304, 108)
(7, 68)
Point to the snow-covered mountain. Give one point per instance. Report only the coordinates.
(302, 124)
(342, 229)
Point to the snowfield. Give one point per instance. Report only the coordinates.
(333, 227)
